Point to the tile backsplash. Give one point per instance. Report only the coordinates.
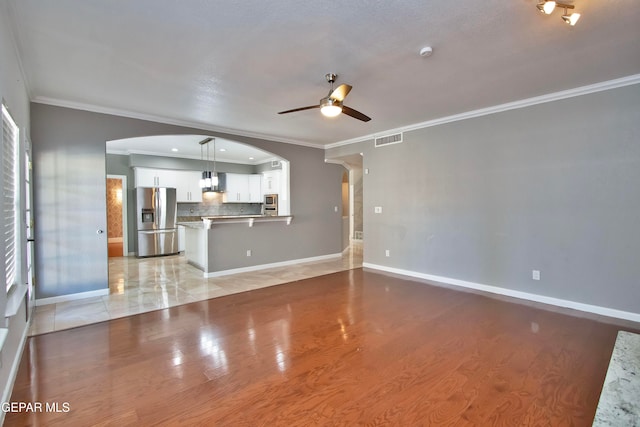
(212, 205)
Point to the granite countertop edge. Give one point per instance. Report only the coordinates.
(198, 222)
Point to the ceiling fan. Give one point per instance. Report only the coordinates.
(331, 105)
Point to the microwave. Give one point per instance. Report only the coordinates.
(270, 205)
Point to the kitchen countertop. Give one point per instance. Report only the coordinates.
(191, 224)
(207, 221)
(233, 216)
(619, 405)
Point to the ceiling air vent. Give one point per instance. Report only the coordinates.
(396, 138)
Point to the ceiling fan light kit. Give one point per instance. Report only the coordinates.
(547, 7)
(331, 105)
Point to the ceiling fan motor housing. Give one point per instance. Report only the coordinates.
(328, 101)
(331, 77)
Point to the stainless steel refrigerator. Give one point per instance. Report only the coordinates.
(156, 211)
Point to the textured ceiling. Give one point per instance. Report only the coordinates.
(234, 65)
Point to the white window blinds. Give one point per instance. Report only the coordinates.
(9, 191)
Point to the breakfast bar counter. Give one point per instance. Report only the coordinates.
(227, 244)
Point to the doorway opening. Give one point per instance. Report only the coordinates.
(352, 198)
(117, 215)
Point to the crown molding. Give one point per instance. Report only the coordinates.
(556, 96)
(166, 120)
(338, 162)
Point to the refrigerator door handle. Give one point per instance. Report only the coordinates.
(160, 212)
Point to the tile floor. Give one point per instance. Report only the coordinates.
(142, 285)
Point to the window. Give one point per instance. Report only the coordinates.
(9, 195)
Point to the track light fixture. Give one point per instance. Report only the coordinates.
(547, 7)
(570, 19)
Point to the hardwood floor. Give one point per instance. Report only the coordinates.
(347, 348)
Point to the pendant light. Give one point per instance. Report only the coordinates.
(209, 179)
(214, 175)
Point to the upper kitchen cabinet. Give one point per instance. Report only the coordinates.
(186, 183)
(188, 187)
(145, 177)
(255, 189)
(243, 188)
(271, 182)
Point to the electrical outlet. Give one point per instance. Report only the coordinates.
(377, 209)
(366, 171)
(387, 253)
(535, 274)
(335, 209)
(248, 252)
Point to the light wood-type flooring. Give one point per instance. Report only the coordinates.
(344, 349)
(139, 285)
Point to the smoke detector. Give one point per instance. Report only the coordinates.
(426, 51)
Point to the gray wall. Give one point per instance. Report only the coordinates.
(69, 177)
(553, 187)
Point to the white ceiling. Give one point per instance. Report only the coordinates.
(224, 65)
(188, 146)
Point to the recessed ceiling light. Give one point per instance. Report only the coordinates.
(174, 149)
(251, 158)
(223, 149)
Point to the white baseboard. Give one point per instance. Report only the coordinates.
(272, 265)
(72, 297)
(595, 309)
(15, 365)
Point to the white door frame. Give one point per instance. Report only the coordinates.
(352, 205)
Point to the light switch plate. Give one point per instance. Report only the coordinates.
(377, 209)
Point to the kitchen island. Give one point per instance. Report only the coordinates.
(228, 244)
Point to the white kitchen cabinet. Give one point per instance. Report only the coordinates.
(188, 187)
(146, 177)
(255, 189)
(243, 188)
(271, 182)
(237, 188)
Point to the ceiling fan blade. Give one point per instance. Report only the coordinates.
(355, 114)
(341, 92)
(299, 109)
